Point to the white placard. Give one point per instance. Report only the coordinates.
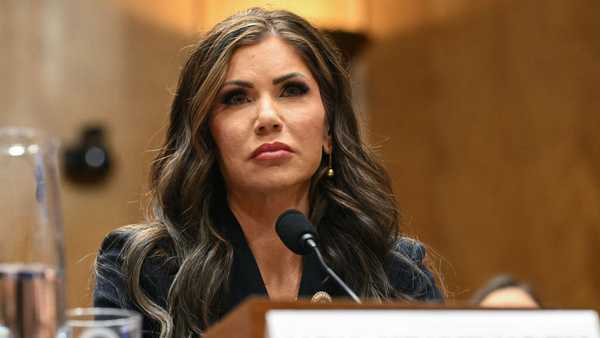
(432, 323)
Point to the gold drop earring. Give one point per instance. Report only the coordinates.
(330, 171)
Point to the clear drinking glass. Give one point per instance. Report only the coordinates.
(31, 236)
(102, 323)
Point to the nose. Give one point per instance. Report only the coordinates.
(268, 119)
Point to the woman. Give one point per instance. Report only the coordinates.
(261, 122)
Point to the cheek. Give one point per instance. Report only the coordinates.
(311, 126)
(223, 134)
(216, 132)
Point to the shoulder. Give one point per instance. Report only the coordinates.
(117, 244)
(409, 272)
(112, 276)
(110, 280)
(114, 279)
(113, 247)
(112, 250)
(114, 243)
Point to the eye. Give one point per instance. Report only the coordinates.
(292, 89)
(235, 97)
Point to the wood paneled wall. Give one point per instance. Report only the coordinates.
(486, 113)
(488, 123)
(65, 64)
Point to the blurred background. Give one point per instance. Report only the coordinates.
(485, 112)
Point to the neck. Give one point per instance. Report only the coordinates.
(257, 213)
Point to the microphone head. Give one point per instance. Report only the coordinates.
(292, 227)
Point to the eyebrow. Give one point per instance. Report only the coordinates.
(286, 77)
(277, 80)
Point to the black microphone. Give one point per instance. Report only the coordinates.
(298, 234)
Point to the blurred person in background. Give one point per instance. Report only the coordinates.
(261, 122)
(506, 292)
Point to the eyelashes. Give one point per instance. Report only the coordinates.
(294, 88)
(234, 97)
(239, 96)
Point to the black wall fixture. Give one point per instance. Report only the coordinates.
(88, 161)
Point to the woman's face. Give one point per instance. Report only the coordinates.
(269, 121)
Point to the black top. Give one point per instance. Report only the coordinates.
(157, 275)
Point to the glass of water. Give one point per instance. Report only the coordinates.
(31, 236)
(102, 323)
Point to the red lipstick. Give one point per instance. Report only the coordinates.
(271, 151)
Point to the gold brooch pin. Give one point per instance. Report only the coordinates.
(321, 297)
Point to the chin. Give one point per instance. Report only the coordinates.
(277, 183)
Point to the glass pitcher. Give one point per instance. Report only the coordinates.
(31, 236)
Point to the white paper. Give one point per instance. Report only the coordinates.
(432, 323)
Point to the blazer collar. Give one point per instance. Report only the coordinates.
(245, 278)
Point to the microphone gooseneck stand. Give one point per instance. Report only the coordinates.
(311, 242)
(299, 235)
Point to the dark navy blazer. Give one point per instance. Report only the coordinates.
(157, 275)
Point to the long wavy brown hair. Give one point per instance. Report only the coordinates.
(355, 212)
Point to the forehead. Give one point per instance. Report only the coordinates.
(271, 57)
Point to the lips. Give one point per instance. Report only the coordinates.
(269, 151)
